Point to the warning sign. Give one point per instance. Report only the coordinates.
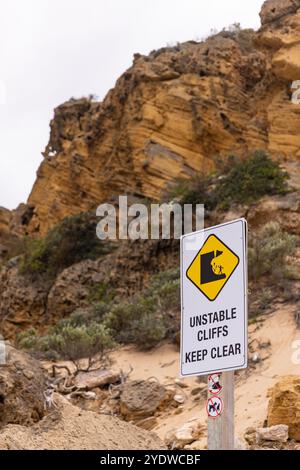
(212, 267)
(214, 384)
(214, 407)
(214, 300)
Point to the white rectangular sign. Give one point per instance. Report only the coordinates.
(214, 299)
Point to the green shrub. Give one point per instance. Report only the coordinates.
(28, 339)
(143, 321)
(190, 191)
(165, 289)
(249, 180)
(149, 330)
(72, 240)
(268, 252)
(234, 181)
(101, 292)
(76, 342)
(136, 322)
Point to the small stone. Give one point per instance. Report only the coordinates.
(90, 395)
(256, 358)
(179, 399)
(279, 433)
(250, 435)
(180, 383)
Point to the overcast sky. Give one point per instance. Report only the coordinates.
(51, 50)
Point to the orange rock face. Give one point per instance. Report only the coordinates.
(171, 114)
(284, 405)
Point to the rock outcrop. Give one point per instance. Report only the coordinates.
(22, 384)
(5, 216)
(273, 10)
(127, 270)
(170, 114)
(284, 405)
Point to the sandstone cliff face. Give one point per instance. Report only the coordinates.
(171, 113)
(5, 216)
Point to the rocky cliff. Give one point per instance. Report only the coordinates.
(172, 113)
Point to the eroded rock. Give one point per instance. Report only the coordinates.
(142, 399)
(275, 9)
(184, 435)
(22, 384)
(284, 405)
(279, 433)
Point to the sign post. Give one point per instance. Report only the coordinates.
(220, 431)
(214, 319)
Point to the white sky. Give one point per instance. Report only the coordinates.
(51, 50)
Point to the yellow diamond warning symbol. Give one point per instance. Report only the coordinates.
(212, 267)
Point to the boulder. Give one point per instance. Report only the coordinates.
(22, 384)
(142, 399)
(273, 10)
(180, 437)
(278, 433)
(284, 405)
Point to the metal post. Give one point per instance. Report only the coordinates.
(220, 430)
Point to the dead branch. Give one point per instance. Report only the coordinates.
(55, 366)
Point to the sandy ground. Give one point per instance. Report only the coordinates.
(252, 386)
(70, 428)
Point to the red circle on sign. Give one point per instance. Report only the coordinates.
(210, 378)
(211, 402)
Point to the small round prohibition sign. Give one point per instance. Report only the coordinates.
(214, 407)
(214, 385)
